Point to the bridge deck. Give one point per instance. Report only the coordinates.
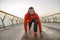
(17, 33)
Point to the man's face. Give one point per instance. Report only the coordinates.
(31, 11)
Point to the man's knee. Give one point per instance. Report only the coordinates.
(35, 25)
(35, 21)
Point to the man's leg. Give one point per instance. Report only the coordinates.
(29, 24)
(35, 27)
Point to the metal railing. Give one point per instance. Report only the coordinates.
(7, 20)
(55, 18)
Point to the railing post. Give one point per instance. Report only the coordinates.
(12, 21)
(3, 21)
(17, 21)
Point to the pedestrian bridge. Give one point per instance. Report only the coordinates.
(12, 28)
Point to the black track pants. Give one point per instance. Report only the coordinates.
(35, 25)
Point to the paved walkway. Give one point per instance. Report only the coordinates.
(17, 33)
(12, 33)
(53, 25)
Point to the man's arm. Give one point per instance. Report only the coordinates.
(39, 23)
(25, 23)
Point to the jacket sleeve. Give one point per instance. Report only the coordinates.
(25, 23)
(39, 23)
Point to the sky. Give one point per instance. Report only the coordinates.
(20, 7)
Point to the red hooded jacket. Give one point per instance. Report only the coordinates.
(28, 18)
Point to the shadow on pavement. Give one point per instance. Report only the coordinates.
(30, 36)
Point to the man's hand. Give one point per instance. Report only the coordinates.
(40, 32)
(26, 34)
(25, 31)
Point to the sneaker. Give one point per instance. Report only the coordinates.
(35, 34)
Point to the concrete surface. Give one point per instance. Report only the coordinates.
(53, 25)
(13, 33)
(47, 34)
(17, 33)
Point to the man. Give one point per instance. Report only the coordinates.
(30, 17)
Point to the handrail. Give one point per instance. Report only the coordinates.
(51, 15)
(14, 21)
(9, 14)
(54, 18)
